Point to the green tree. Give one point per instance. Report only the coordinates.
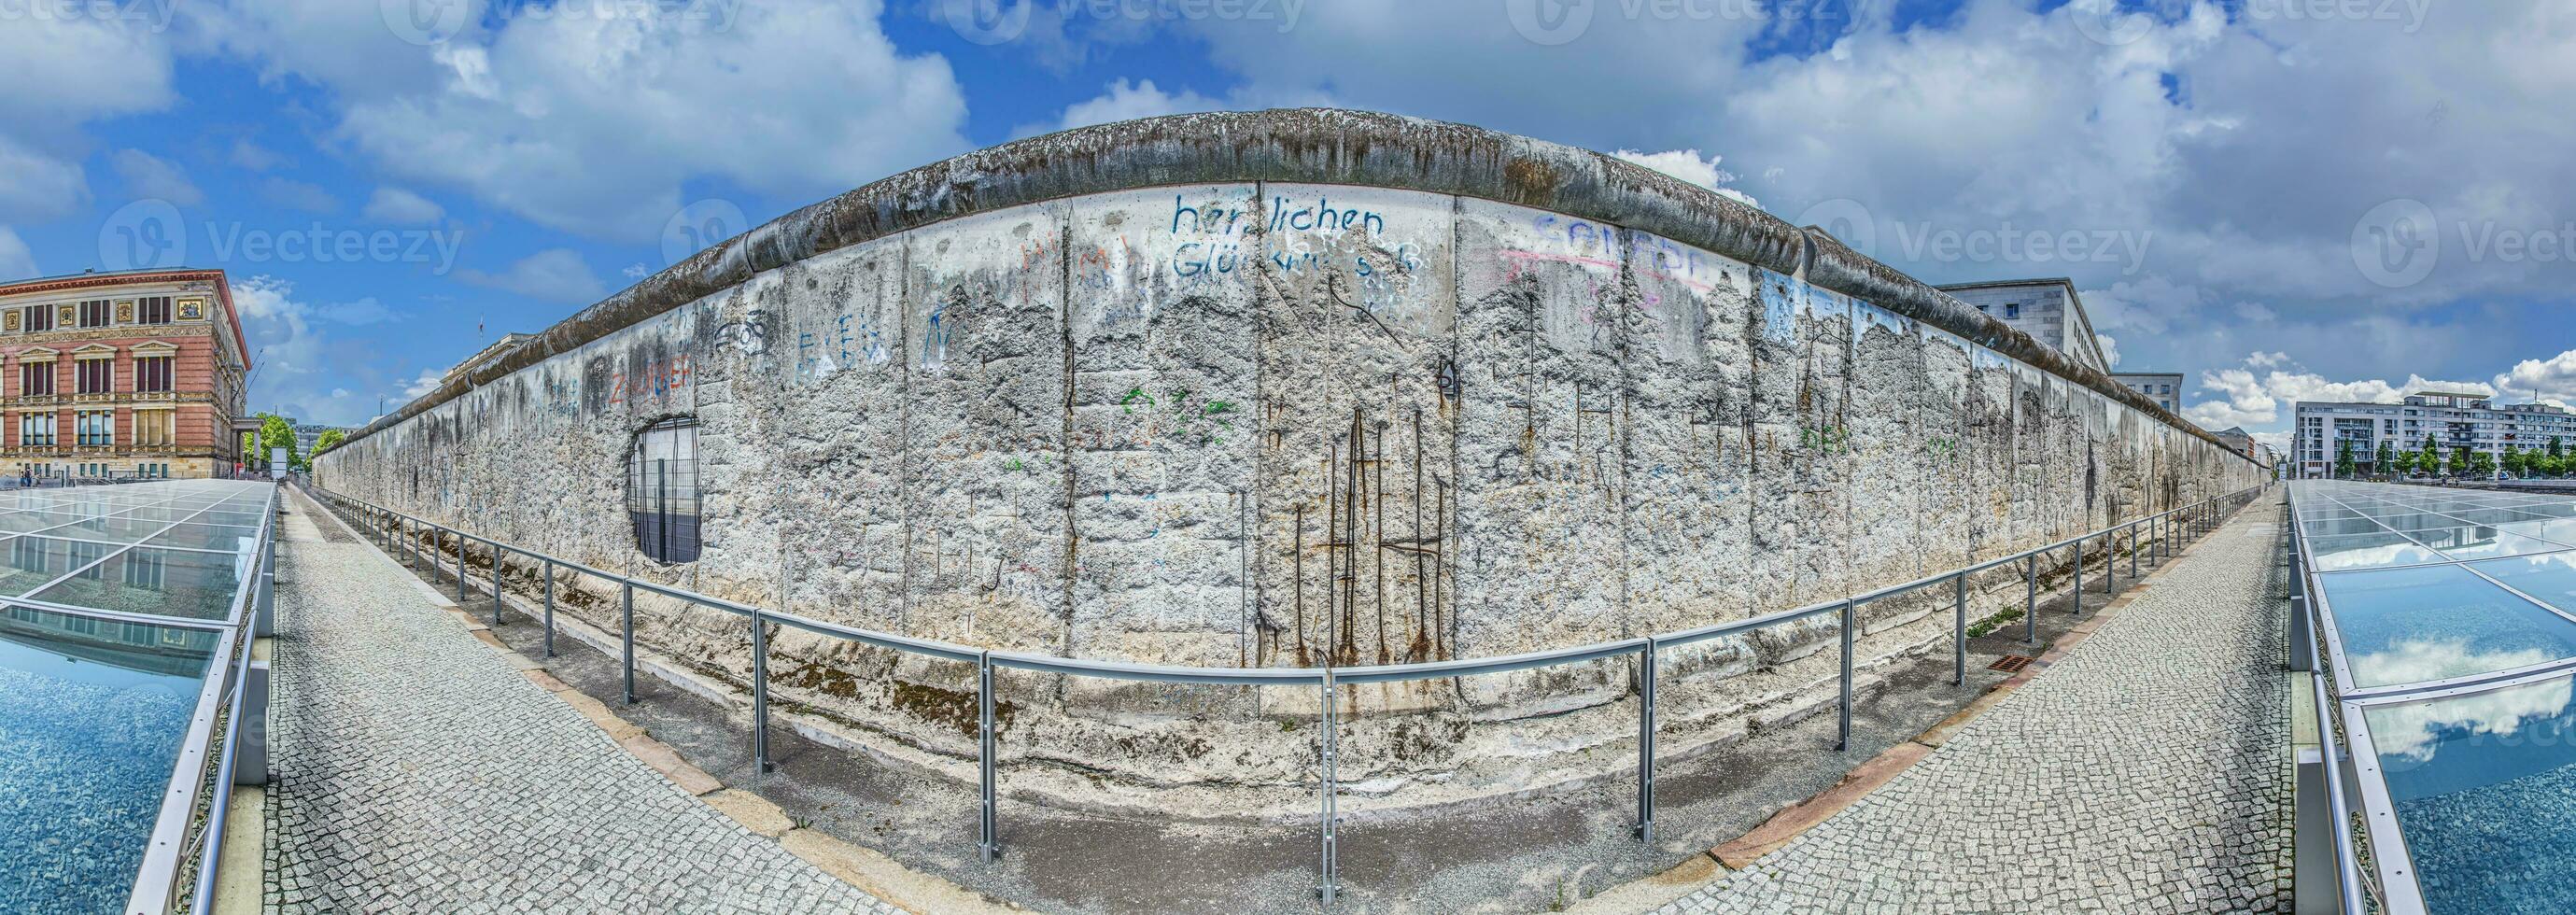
(2343, 458)
(2516, 461)
(329, 439)
(2404, 463)
(2385, 459)
(2431, 461)
(2554, 448)
(2481, 464)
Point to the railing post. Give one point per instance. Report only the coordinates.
(2133, 551)
(550, 608)
(460, 571)
(2078, 603)
(496, 582)
(2030, 599)
(626, 645)
(1646, 742)
(1959, 631)
(985, 762)
(1842, 731)
(760, 693)
(2110, 560)
(1328, 871)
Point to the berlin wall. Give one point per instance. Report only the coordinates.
(1288, 388)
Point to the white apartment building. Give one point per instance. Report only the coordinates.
(2454, 420)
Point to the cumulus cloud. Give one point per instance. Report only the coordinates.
(552, 275)
(591, 123)
(2110, 349)
(63, 74)
(146, 175)
(2261, 391)
(1687, 165)
(1127, 101)
(400, 207)
(16, 262)
(298, 195)
(2552, 379)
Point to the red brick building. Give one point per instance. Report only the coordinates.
(137, 373)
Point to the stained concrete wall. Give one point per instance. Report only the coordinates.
(1292, 423)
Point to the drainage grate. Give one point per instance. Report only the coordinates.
(2011, 663)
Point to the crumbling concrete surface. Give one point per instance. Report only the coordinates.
(1288, 389)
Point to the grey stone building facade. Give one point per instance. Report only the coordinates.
(2048, 310)
(1287, 388)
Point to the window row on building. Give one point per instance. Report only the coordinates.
(2450, 421)
(97, 428)
(87, 313)
(152, 372)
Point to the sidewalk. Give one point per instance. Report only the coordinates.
(2147, 771)
(414, 769)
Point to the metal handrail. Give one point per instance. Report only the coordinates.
(2187, 520)
(2307, 611)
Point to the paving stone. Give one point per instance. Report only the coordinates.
(416, 770)
(2145, 772)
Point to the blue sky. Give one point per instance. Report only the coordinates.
(2283, 199)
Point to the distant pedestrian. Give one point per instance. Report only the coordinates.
(26, 477)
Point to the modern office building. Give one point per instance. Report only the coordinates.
(2236, 437)
(130, 374)
(2047, 309)
(2165, 388)
(2453, 420)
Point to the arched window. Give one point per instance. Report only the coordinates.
(662, 490)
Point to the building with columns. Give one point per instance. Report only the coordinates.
(130, 374)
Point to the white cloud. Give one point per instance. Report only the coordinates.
(250, 155)
(1687, 165)
(2251, 397)
(421, 386)
(400, 207)
(592, 123)
(2551, 379)
(16, 262)
(553, 275)
(63, 74)
(2110, 349)
(298, 195)
(146, 175)
(1126, 101)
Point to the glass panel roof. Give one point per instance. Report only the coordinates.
(133, 548)
(2484, 789)
(2454, 639)
(2437, 622)
(92, 713)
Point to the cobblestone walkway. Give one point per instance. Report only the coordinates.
(2147, 771)
(413, 770)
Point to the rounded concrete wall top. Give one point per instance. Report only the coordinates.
(1318, 146)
